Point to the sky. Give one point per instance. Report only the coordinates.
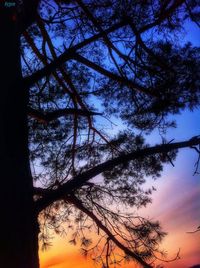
(176, 203)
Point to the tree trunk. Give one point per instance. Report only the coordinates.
(18, 221)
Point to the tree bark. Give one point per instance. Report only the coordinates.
(18, 223)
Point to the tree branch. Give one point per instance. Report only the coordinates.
(111, 75)
(145, 48)
(77, 203)
(164, 14)
(47, 70)
(79, 180)
(67, 55)
(46, 117)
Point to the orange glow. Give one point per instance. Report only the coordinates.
(175, 206)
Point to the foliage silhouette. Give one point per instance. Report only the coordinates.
(85, 64)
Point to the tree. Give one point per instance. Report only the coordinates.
(61, 59)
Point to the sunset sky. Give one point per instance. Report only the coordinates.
(176, 204)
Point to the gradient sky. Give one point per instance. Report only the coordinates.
(176, 203)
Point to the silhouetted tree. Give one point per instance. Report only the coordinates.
(66, 68)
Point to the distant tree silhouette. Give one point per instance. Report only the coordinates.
(69, 69)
